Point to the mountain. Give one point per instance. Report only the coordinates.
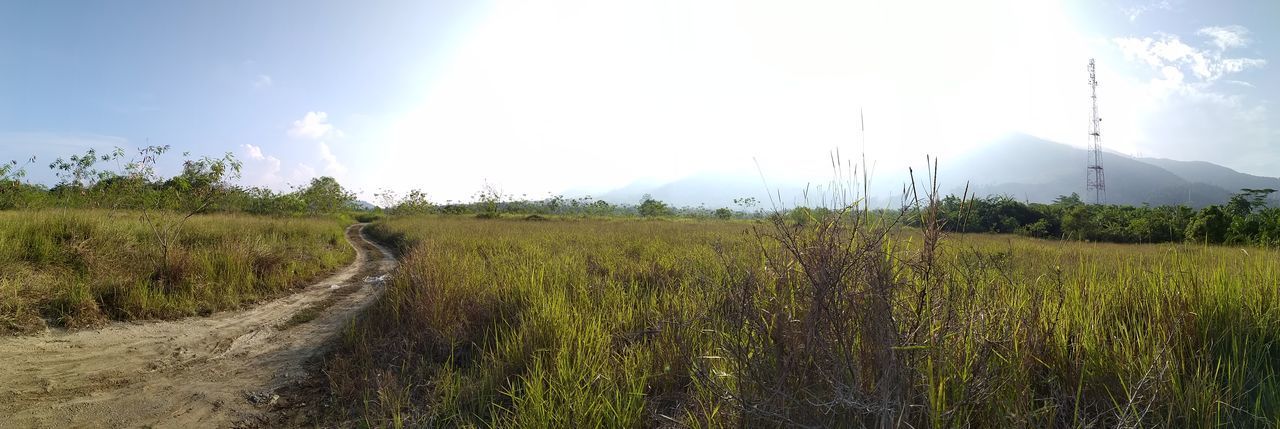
(1214, 174)
(362, 205)
(1038, 170)
(1024, 167)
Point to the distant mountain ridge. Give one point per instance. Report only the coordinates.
(1024, 167)
(1038, 170)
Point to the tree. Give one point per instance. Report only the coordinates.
(1209, 226)
(1078, 222)
(325, 195)
(490, 198)
(11, 185)
(599, 208)
(415, 202)
(723, 213)
(1248, 200)
(1068, 200)
(650, 207)
(166, 207)
(77, 171)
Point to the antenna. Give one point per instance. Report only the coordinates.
(1095, 180)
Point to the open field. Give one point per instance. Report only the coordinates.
(626, 323)
(77, 268)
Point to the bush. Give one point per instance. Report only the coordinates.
(650, 207)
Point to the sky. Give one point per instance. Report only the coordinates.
(581, 97)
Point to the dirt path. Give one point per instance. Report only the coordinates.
(217, 371)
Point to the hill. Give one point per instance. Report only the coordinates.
(1018, 165)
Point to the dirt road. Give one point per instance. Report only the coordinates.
(219, 371)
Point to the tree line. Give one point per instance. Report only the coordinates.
(122, 180)
(1244, 219)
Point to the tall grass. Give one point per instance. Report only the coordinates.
(834, 323)
(77, 268)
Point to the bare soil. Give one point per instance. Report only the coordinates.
(231, 369)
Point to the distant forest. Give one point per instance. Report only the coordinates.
(1244, 219)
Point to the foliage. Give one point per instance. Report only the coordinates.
(650, 207)
(78, 172)
(839, 322)
(76, 268)
(413, 203)
(1243, 220)
(12, 191)
(325, 195)
(203, 184)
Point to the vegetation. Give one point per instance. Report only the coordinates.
(1245, 219)
(650, 207)
(121, 181)
(815, 316)
(836, 319)
(490, 203)
(114, 240)
(77, 268)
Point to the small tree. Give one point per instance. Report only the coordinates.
(489, 198)
(415, 202)
(80, 175)
(1248, 200)
(11, 186)
(166, 206)
(723, 213)
(1078, 222)
(387, 198)
(79, 172)
(325, 195)
(650, 207)
(600, 208)
(1209, 226)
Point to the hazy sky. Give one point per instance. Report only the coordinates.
(590, 95)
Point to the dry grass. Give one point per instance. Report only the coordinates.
(78, 268)
(841, 322)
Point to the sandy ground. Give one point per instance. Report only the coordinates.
(226, 370)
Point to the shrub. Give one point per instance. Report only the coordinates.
(650, 207)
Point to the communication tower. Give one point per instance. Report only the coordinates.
(1095, 180)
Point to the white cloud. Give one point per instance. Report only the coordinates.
(263, 169)
(332, 166)
(1183, 106)
(262, 81)
(254, 152)
(302, 173)
(1209, 64)
(314, 126)
(1134, 12)
(1231, 36)
(1171, 80)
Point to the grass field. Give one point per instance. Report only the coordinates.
(78, 268)
(625, 323)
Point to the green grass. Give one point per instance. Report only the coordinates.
(307, 314)
(78, 268)
(625, 323)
